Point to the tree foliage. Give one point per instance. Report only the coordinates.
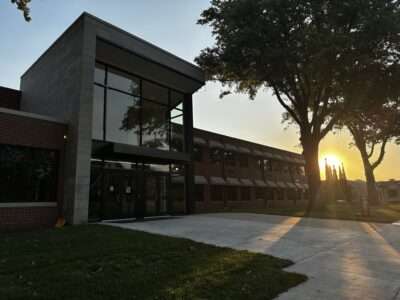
(305, 51)
(23, 5)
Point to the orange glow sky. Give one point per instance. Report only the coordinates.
(259, 120)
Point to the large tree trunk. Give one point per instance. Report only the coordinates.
(311, 149)
(372, 192)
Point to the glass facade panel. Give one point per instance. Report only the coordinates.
(100, 74)
(152, 91)
(133, 111)
(122, 118)
(155, 126)
(28, 174)
(98, 113)
(123, 82)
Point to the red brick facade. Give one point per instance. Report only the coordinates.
(20, 218)
(21, 129)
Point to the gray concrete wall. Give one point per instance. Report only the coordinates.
(60, 85)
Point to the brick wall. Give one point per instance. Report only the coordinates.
(22, 218)
(38, 133)
(9, 98)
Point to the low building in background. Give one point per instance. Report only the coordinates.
(389, 191)
(103, 129)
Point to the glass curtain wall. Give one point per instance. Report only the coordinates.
(130, 110)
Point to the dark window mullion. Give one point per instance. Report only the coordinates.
(140, 113)
(169, 120)
(105, 104)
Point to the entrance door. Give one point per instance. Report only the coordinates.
(156, 194)
(118, 193)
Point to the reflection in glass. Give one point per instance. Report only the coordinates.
(28, 174)
(98, 113)
(155, 125)
(122, 118)
(123, 82)
(176, 137)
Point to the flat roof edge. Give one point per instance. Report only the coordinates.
(108, 24)
(31, 115)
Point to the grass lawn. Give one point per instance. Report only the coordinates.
(386, 213)
(102, 262)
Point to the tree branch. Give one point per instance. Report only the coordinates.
(381, 154)
(287, 107)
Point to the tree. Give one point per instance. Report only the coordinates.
(23, 5)
(372, 115)
(301, 50)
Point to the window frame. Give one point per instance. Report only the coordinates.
(107, 67)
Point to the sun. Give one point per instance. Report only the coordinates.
(332, 159)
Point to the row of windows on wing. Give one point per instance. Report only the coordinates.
(231, 193)
(231, 158)
(131, 110)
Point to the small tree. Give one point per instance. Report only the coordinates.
(372, 114)
(301, 50)
(23, 5)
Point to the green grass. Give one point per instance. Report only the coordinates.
(102, 262)
(385, 213)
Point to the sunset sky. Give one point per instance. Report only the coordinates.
(170, 25)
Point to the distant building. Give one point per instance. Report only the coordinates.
(389, 191)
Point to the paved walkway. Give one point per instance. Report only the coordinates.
(343, 259)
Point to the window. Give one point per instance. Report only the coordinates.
(122, 118)
(155, 125)
(131, 110)
(98, 113)
(276, 166)
(245, 193)
(216, 155)
(231, 193)
(123, 82)
(260, 193)
(217, 193)
(198, 153)
(28, 174)
(199, 192)
(392, 193)
(285, 168)
(230, 158)
(243, 161)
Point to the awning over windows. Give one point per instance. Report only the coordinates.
(200, 180)
(244, 150)
(271, 184)
(258, 153)
(177, 179)
(216, 144)
(299, 185)
(281, 184)
(199, 141)
(217, 181)
(246, 182)
(231, 147)
(268, 155)
(291, 185)
(278, 156)
(197, 179)
(260, 183)
(232, 181)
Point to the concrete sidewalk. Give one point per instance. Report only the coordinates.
(343, 259)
